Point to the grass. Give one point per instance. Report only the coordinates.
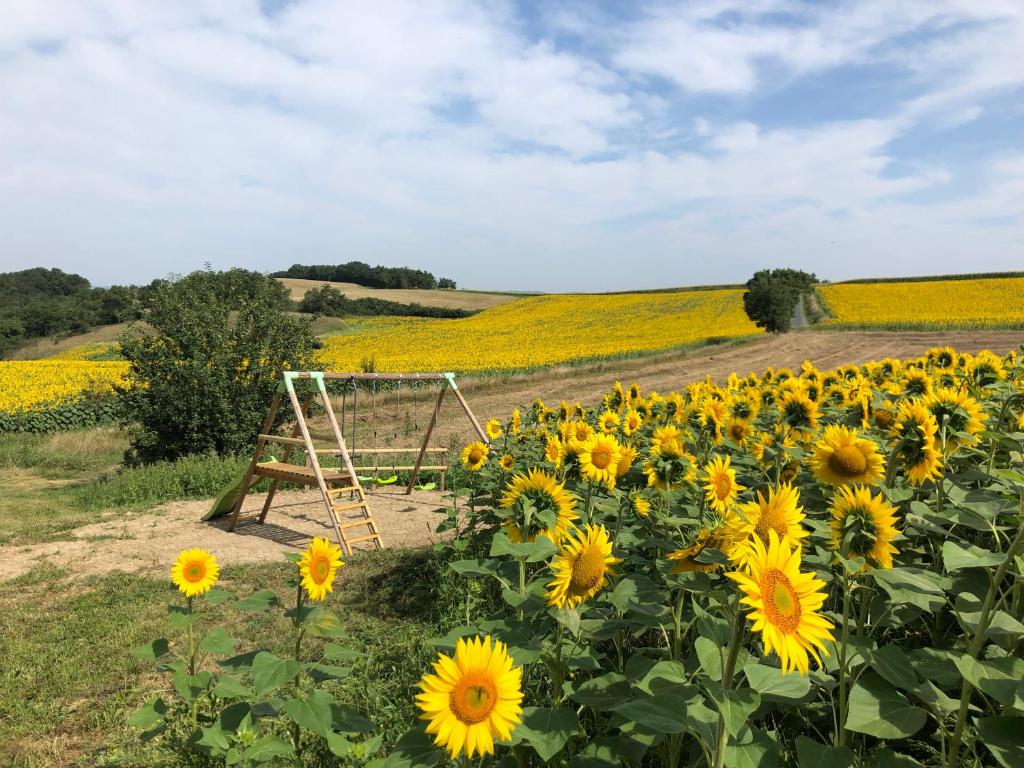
(67, 685)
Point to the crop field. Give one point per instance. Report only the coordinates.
(981, 303)
(454, 299)
(799, 566)
(33, 384)
(543, 330)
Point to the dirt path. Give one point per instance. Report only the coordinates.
(148, 542)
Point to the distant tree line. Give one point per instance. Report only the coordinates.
(772, 296)
(327, 300)
(363, 274)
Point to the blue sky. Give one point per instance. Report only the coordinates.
(543, 146)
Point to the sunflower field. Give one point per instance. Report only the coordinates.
(980, 303)
(542, 330)
(57, 394)
(799, 568)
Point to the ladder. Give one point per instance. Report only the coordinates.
(334, 484)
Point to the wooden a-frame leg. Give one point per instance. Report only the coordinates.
(256, 454)
(284, 458)
(426, 440)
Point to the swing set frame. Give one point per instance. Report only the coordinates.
(333, 482)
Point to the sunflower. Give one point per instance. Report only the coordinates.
(319, 563)
(780, 512)
(666, 473)
(517, 421)
(667, 441)
(739, 431)
(959, 412)
(841, 457)
(195, 572)
(599, 460)
(785, 603)
(627, 455)
(616, 398)
(639, 504)
(713, 415)
(631, 422)
(916, 383)
(800, 414)
(494, 429)
(864, 526)
(684, 560)
(576, 432)
(545, 494)
(507, 461)
(554, 450)
(916, 445)
(581, 567)
(472, 698)
(986, 368)
(720, 488)
(608, 421)
(474, 456)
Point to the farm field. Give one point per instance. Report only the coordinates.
(981, 303)
(84, 680)
(453, 299)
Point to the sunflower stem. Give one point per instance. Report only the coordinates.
(738, 630)
(296, 622)
(840, 739)
(677, 620)
(558, 671)
(978, 641)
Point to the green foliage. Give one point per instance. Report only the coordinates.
(327, 300)
(363, 274)
(772, 295)
(203, 380)
(86, 413)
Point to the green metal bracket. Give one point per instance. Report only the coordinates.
(290, 381)
(450, 377)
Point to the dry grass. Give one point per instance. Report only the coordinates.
(470, 300)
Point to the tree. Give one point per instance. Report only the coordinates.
(202, 381)
(446, 282)
(772, 296)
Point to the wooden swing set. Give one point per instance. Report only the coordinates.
(351, 518)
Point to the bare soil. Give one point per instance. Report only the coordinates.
(453, 299)
(148, 543)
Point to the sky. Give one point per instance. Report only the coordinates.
(583, 146)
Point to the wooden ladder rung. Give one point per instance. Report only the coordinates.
(345, 507)
(359, 539)
(354, 523)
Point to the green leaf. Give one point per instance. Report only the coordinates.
(218, 641)
(474, 567)
(266, 748)
(348, 720)
(709, 653)
(638, 594)
(415, 748)
(263, 600)
(230, 687)
(313, 713)
(532, 551)
(665, 677)
(662, 713)
(1001, 735)
(603, 693)
(568, 618)
(214, 737)
(775, 685)
(912, 586)
(811, 754)
(270, 672)
(735, 706)
(179, 618)
(325, 624)
(878, 709)
(753, 749)
(191, 687)
(338, 744)
(893, 664)
(883, 757)
(149, 714)
(341, 653)
(547, 730)
(999, 678)
(152, 651)
(956, 556)
(217, 596)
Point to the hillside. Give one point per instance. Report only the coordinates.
(458, 299)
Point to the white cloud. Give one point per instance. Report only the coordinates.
(142, 137)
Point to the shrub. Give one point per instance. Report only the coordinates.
(327, 300)
(772, 295)
(202, 382)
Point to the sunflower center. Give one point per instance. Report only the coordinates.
(587, 570)
(473, 697)
(847, 461)
(320, 569)
(475, 455)
(781, 602)
(194, 571)
(601, 457)
(723, 486)
(737, 432)
(883, 419)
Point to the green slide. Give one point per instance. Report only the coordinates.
(225, 501)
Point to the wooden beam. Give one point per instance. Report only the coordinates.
(426, 439)
(256, 454)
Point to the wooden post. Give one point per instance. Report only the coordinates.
(256, 454)
(426, 440)
(465, 406)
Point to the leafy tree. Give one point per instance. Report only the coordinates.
(202, 381)
(328, 300)
(772, 296)
(446, 282)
